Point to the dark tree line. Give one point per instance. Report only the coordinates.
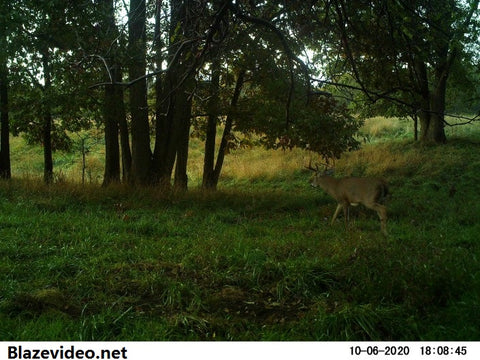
(155, 73)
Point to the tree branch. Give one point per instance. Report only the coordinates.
(290, 54)
(149, 75)
(384, 96)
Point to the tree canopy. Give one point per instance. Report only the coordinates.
(151, 74)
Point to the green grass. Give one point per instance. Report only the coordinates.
(256, 260)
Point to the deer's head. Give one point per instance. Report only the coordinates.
(319, 174)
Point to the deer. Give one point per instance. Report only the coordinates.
(369, 191)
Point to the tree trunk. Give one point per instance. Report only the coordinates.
(47, 120)
(5, 168)
(141, 152)
(47, 147)
(164, 150)
(163, 124)
(228, 127)
(174, 100)
(435, 133)
(166, 131)
(113, 107)
(212, 170)
(183, 114)
(415, 126)
(432, 104)
(432, 127)
(112, 153)
(438, 96)
(184, 91)
(124, 136)
(208, 181)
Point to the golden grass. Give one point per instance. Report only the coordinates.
(379, 125)
(375, 158)
(263, 163)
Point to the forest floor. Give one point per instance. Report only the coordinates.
(256, 260)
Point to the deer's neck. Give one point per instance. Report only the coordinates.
(330, 185)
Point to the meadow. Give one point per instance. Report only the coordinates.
(255, 260)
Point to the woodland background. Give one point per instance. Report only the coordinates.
(149, 98)
(150, 75)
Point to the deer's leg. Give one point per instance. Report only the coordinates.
(382, 214)
(383, 219)
(346, 214)
(339, 207)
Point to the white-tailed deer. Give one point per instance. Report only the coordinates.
(353, 191)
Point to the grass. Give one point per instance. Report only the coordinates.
(257, 260)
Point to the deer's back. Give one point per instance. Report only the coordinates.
(361, 190)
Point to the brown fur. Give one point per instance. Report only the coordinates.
(370, 192)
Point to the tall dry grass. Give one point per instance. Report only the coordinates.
(377, 156)
(263, 163)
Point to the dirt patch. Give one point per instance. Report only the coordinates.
(42, 301)
(255, 306)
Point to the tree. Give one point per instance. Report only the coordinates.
(181, 81)
(141, 152)
(174, 93)
(209, 174)
(411, 56)
(191, 38)
(215, 63)
(5, 170)
(48, 89)
(47, 116)
(113, 106)
(212, 168)
(39, 42)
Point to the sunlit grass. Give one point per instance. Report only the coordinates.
(262, 163)
(384, 128)
(250, 163)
